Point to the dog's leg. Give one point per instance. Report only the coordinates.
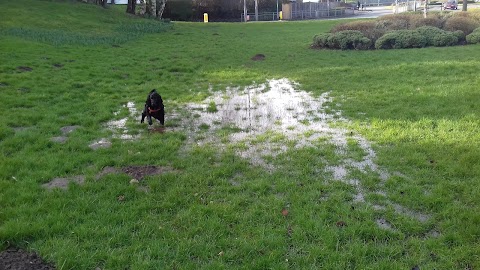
(162, 117)
(144, 113)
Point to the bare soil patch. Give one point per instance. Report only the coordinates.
(157, 129)
(258, 57)
(62, 183)
(65, 131)
(17, 259)
(136, 172)
(24, 68)
(59, 139)
(58, 65)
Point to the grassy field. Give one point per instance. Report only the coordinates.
(65, 64)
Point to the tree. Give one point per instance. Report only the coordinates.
(131, 6)
(161, 8)
(464, 6)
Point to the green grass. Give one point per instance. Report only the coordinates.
(418, 107)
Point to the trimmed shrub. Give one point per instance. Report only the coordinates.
(401, 39)
(320, 41)
(474, 37)
(356, 25)
(437, 37)
(460, 35)
(465, 24)
(431, 20)
(367, 28)
(429, 32)
(394, 22)
(473, 14)
(349, 39)
(445, 39)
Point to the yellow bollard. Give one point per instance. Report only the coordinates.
(280, 15)
(205, 17)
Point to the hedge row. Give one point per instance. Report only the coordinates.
(344, 40)
(421, 37)
(409, 30)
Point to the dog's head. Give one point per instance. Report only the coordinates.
(155, 99)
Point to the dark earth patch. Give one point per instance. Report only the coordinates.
(157, 129)
(17, 259)
(58, 65)
(3, 84)
(65, 130)
(24, 68)
(258, 57)
(136, 172)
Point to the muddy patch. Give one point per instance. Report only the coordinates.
(68, 129)
(65, 131)
(62, 183)
(156, 129)
(135, 172)
(421, 217)
(258, 57)
(24, 68)
(17, 259)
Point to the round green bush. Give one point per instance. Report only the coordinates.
(401, 39)
(348, 40)
(320, 41)
(474, 37)
(460, 35)
(437, 37)
(445, 39)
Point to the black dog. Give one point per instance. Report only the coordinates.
(154, 108)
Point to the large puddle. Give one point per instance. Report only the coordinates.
(262, 121)
(274, 111)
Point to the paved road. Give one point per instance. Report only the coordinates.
(374, 12)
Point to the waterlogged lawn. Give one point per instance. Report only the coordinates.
(403, 190)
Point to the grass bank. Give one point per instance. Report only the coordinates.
(67, 64)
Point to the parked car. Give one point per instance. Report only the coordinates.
(450, 4)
